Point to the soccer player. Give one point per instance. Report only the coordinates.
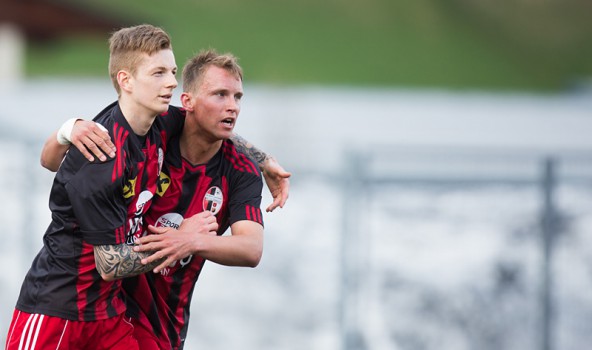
(204, 172)
(71, 297)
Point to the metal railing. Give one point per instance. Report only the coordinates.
(367, 171)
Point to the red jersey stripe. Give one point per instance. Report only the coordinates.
(239, 161)
(120, 134)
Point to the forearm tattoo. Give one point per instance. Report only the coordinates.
(249, 149)
(121, 261)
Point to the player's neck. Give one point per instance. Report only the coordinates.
(197, 149)
(139, 118)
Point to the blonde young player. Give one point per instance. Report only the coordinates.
(71, 297)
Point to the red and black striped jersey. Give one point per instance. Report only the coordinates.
(230, 186)
(98, 203)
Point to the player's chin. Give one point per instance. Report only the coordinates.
(159, 109)
(225, 136)
(226, 133)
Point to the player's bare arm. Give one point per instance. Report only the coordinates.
(244, 247)
(53, 153)
(276, 178)
(249, 149)
(87, 135)
(120, 261)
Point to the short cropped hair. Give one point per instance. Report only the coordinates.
(127, 45)
(195, 67)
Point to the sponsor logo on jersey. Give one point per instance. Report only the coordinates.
(173, 220)
(129, 189)
(213, 200)
(163, 183)
(143, 199)
(137, 221)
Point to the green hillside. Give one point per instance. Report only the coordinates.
(486, 44)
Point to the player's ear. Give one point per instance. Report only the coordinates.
(123, 79)
(186, 101)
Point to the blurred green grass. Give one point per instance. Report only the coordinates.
(459, 44)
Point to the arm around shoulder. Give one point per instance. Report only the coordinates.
(89, 137)
(53, 153)
(276, 178)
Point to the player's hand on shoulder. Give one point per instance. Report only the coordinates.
(93, 140)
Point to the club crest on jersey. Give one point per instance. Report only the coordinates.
(213, 200)
(129, 189)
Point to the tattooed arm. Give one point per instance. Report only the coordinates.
(119, 261)
(249, 149)
(276, 178)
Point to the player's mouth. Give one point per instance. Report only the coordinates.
(167, 98)
(228, 122)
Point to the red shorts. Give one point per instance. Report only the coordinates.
(35, 331)
(145, 337)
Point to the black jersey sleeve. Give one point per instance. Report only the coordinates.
(245, 197)
(97, 202)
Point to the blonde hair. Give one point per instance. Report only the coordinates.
(195, 67)
(127, 45)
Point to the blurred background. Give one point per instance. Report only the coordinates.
(441, 155)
